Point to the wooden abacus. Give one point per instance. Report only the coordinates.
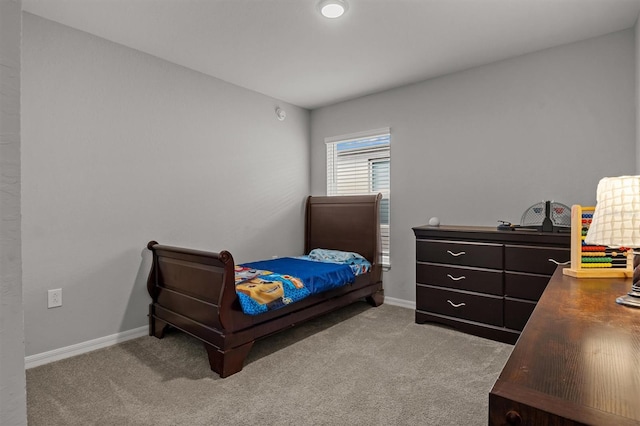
(588, 261)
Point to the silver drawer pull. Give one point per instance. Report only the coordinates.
(462, 277)
(455, 305)
(460, 253)
(560, 263)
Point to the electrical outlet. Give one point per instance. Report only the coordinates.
(55, 298)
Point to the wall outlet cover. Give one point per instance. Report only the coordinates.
(54, 298)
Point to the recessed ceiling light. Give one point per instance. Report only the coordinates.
(333, 8)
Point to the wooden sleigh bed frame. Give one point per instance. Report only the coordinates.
(194, 291)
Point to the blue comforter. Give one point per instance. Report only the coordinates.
(270, 284)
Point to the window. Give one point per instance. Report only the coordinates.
(361, 164)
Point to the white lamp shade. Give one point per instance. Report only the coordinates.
(616, 219)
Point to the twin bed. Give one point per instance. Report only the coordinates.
(195, 291)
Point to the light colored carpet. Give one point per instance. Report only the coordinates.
(357, 366)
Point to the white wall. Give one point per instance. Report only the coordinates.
(12, 377)
(120, 148)
(484, 144)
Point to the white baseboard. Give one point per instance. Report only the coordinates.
(400, 302)
(84, 347)
(102, 342)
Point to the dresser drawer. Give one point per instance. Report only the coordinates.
(475, 307)
(539, 260)
(483, 255)
(462, 278)
(524, 286)
(517, 313)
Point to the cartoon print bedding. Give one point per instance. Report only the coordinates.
(271, 284)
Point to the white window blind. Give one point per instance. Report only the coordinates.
(361, 164)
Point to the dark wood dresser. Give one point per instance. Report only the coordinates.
(577, 361)
(484, 281)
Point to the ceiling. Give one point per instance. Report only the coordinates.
(287, 50)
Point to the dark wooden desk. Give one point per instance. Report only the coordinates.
(577, 360)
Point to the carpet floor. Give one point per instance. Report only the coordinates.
(357, 366)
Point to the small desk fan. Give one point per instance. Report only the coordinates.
(546, 216)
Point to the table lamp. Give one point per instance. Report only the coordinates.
(616, 223)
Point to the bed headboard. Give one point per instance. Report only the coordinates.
(348, 223)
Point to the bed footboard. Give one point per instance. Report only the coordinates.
(194, 292)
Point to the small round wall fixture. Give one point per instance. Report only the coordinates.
(281, 114)
(333, 8)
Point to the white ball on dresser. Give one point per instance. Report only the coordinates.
(434, 221)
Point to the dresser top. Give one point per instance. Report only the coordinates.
(487, 233)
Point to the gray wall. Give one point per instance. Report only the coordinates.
(12, 377)
(484, 144)
(637, 92)
(120, 148)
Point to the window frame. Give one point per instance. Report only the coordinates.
(377, 154)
